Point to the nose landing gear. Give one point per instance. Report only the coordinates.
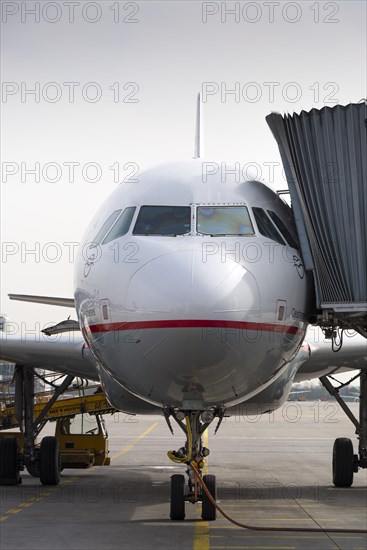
(193, 453)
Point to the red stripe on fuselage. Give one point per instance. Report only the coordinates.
(193, 323)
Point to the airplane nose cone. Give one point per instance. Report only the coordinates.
(188, 284)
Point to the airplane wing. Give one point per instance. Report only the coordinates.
(49, 300)
(323, 360)
(66, 354)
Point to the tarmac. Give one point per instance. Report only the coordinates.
(272, 470)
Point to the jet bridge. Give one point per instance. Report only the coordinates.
(324, 153)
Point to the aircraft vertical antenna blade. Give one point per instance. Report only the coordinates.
(198, 128)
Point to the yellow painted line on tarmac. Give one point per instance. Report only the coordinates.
(256, 547)
(72, 479)
(144, 434)
(48, 492)
(12, 511)
(27, 504)
(201, 533)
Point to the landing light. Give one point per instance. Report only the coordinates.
(207, 417)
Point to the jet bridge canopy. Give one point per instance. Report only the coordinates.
(324, 153)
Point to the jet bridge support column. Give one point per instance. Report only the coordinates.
(362, 430)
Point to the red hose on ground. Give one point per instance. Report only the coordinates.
(259, 528)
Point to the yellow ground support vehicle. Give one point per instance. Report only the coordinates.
(83, 441)
(80, 439)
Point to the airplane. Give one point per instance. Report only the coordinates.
(193, 301)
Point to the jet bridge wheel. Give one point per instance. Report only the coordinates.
(9, 457)
(50, 461)
(177, 497)
(343, 462)
(209, 512)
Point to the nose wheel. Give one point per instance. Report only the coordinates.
(209, 511)
(177, 497)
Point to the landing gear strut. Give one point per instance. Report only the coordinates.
(345, 462)
(193, 424)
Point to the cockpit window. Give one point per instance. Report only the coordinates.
(105, 227)
(121, 227)
(265, 226)
(283, 229)
(163, 220)
(223, 220)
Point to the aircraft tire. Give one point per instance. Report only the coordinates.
(50, 461)
(33, 470)
(177, 497)
(343, 462)
(209, 511)
(9, 454)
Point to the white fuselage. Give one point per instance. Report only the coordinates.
(191, 320)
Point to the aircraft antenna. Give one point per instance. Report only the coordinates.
(198, 128)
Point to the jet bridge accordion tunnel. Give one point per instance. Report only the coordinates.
(324, 154)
